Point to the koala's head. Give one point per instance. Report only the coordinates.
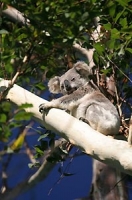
(70, 81)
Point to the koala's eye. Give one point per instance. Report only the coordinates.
(73, 79)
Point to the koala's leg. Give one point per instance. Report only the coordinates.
(81, 112)
(89, 113)
(50, 104)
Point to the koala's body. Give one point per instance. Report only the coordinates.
(83, 100)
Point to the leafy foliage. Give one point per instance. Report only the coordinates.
(44, 47)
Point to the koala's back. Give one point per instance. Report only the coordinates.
(100, 113)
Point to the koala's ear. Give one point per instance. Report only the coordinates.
(54, 85)
(82, 68)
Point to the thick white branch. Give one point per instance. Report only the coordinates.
(15, 15)
(110, 151)
(87, 52)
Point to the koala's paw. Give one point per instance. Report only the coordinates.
(68, 111)
(84, 120)
(44, 107)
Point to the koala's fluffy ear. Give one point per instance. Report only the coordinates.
(54, 85)
(82, 68)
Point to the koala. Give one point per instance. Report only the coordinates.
(83, 100)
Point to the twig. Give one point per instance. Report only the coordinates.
(130, 132)
(119, 69)
(117, 96)
(38, 176)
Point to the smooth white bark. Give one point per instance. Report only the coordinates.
(116, 153)
(15, 15)
(87, 52)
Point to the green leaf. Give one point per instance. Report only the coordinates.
(126, 30)
(123, 22)
(107, 26)
(3, 117)
(43, 136)
(22, 36)
(6, 106)
(96, 58)
(85, 16)
(25, 105)
(18, 142)
(9, 67)
(129, 49)
(122, 2)
(38, 150)
(115, 34)
(99, 48)
(40, 86)
(119, 14)
(112, 10)
(110, 44)
(22, 115)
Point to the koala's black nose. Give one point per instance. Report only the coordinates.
(67, 85)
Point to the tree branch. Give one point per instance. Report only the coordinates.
(108, 150)
(14, 15)
(38, 176)
(88, 53)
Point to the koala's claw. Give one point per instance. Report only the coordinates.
(45, 107)
(84, 120)
(68, 111)
(41, 108)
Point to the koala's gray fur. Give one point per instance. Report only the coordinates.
(83, 100)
